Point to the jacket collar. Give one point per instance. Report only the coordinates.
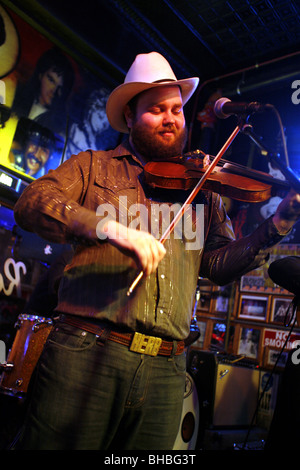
(124, 150)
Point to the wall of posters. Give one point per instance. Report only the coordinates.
(56, 107)
(50, 108)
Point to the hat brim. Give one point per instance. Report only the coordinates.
(121, 95)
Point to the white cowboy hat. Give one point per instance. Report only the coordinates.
(147, 71)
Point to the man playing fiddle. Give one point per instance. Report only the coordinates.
(100, 383)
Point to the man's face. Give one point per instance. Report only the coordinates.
(97, 117)
(51, 85)
(157, 128)
(36, 156)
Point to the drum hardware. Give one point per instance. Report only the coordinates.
(38, 321)
(44, 322)
(16, 372)
(187, 435)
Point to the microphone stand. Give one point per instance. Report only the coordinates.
(272, 157)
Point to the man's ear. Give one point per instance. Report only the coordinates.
(128, 114)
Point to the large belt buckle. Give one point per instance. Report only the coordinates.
(144, 344)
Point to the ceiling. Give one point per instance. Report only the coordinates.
(206, 38)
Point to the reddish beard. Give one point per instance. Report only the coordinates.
(150, 143)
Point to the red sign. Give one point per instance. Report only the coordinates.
(277, 339)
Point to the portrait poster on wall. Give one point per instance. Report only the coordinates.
(56, 107)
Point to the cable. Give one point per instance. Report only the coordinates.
(272, 108)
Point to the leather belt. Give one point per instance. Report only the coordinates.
(136, 342)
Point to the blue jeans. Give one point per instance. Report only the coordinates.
(90, 395)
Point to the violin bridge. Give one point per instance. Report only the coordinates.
(196, 160)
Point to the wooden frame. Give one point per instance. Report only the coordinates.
(281, 310)
(253, 307)
(270, 357)
(249, 342)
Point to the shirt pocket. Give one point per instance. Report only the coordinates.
(113, 186)
(115, 196)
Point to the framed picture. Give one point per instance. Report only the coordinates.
(252, 282)
(253, 307)
(274, 356)
(217, 341)
(205, 301)
(221, 299)
(219, 337)
(249, 342)
(199, 343)
(281, 310)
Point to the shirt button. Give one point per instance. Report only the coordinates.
(162, 276)
(161, 311)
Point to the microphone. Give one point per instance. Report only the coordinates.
(285, 272)
(224, 108)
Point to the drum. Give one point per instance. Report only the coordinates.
(26, 349)
(189, 424)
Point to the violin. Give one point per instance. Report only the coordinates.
(213, 178)
(227, 179)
